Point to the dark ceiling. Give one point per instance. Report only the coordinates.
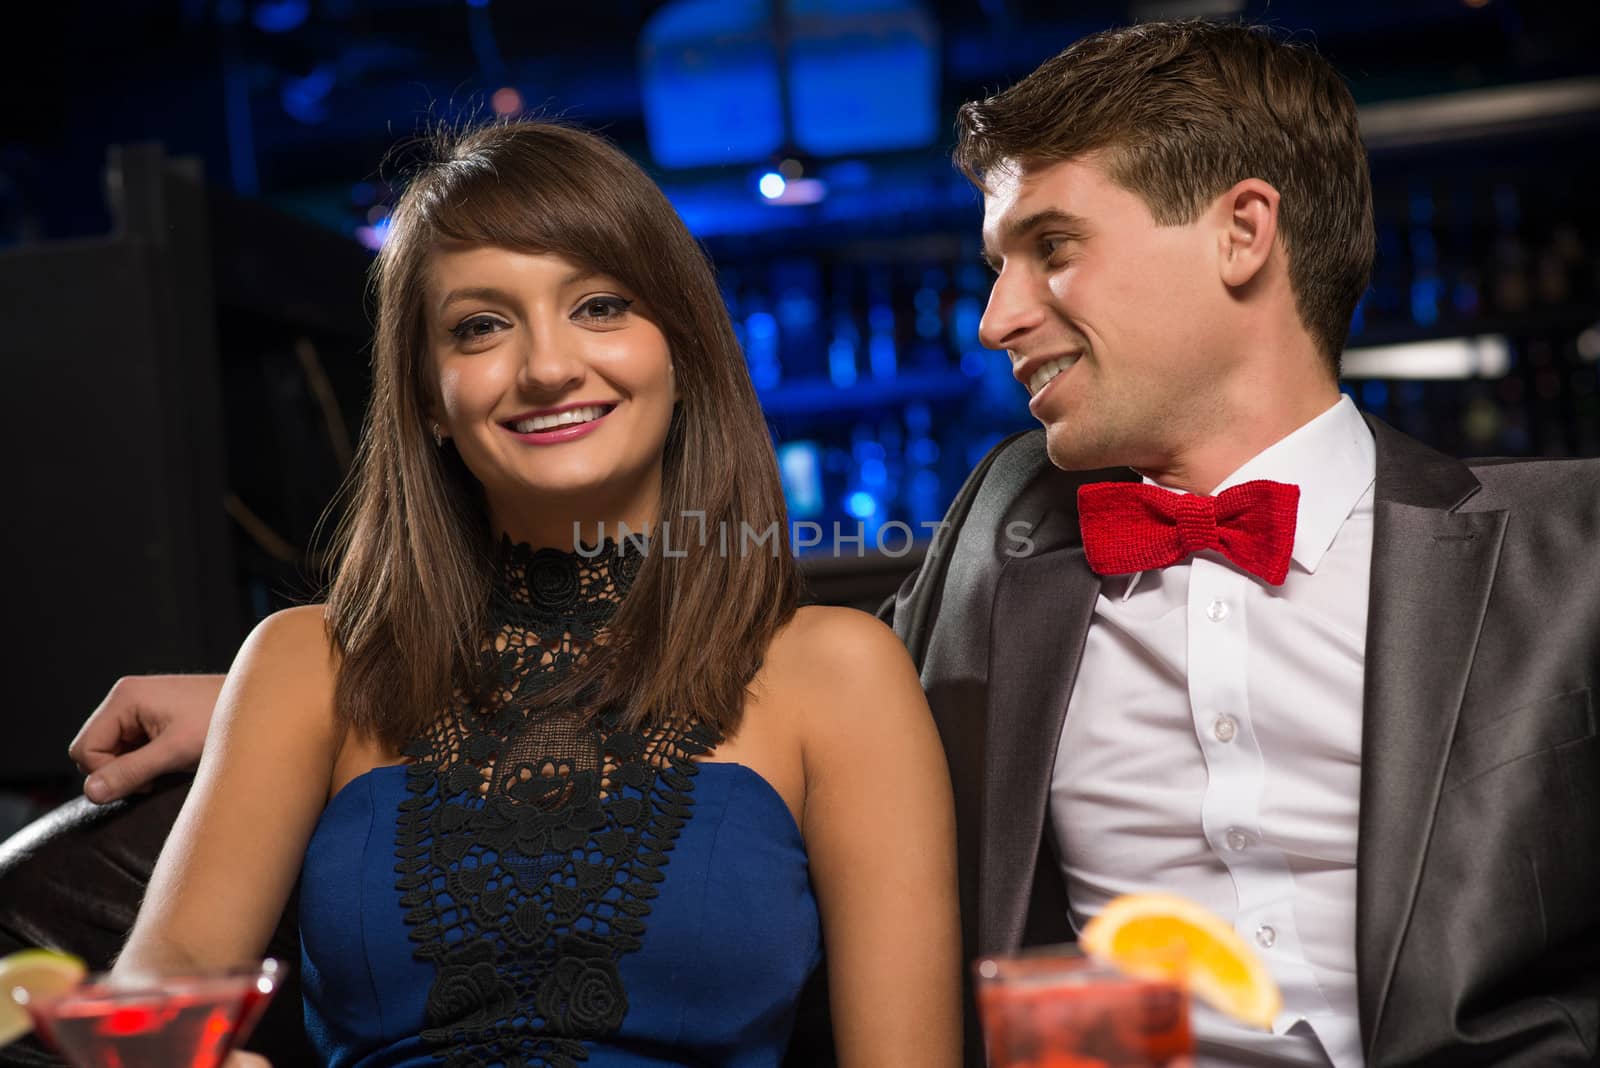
(320, 88)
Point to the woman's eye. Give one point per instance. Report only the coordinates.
(478, 326)
(603, 309)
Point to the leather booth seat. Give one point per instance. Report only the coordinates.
(73, 879)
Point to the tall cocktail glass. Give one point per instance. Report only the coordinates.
(1057, 1008)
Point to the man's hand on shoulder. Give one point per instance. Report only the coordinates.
(147, 726)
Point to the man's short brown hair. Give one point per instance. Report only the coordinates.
(1182, 110)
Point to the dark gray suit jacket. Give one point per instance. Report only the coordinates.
(1478, 882)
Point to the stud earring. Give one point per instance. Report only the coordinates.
(438, 436)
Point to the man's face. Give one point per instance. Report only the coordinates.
(1111, 321)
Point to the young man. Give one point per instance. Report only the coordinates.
(1211, 632)
(1290, 663)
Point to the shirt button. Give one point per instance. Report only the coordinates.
(1217, 611)
(1224, 729)
(1266, 936)
(1237, 839)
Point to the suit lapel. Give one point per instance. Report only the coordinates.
(1044, 603)
(1432, 568)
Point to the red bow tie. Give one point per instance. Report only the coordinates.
(1129, 526)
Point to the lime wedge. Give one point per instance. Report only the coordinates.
(40, 972)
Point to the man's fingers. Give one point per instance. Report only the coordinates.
(93, 761)
(146, 726)
(132, 771)
(102, 735)
(241, 1059)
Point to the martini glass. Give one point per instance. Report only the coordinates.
(168, 1021)
(1057, 1008)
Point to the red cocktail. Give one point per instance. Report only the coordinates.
(187, 1021)
(1060, 1009)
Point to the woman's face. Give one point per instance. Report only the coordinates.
(556, 387)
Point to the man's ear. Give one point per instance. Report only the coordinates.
(1248, 218)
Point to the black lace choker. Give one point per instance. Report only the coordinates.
(580, 589)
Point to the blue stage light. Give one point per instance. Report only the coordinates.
(800, 467)
(863, 75)
(861, 504)
(842, 362)
(772, 185)
(306, 99)
(710, 83)
(923, 451)
(1425, 293)
(280, 16)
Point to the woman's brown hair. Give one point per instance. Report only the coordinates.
(407, 606)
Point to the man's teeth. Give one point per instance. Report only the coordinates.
(570, 417)
(1043, 375)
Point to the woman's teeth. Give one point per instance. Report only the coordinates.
(570, 417)
(1043, 375)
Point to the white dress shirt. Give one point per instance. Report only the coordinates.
(1212, 747)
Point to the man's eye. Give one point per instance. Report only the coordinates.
(1054, 249)
(476, 327)
(603, 309)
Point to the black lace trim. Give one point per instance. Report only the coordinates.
(530, 846)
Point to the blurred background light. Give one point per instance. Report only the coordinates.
(709, 81)
(506, 102)
(772, 185)
(280, 16)
(306, 98)
(861, 504)
(1486, 356)
(863, 75)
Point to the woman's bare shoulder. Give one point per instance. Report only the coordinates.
(839, 661)
(829, 635)
(288, 664)
(298, 634)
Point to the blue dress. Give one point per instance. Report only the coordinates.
(553, 890)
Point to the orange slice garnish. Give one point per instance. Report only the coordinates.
(1219, 967)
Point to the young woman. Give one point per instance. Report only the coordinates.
(554, 796)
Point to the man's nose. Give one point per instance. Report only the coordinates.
(1012, 312)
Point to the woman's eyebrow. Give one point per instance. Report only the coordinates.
(488, 293)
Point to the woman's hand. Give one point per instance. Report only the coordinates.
(147, 726)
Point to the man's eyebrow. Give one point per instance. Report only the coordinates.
(1018, 229)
